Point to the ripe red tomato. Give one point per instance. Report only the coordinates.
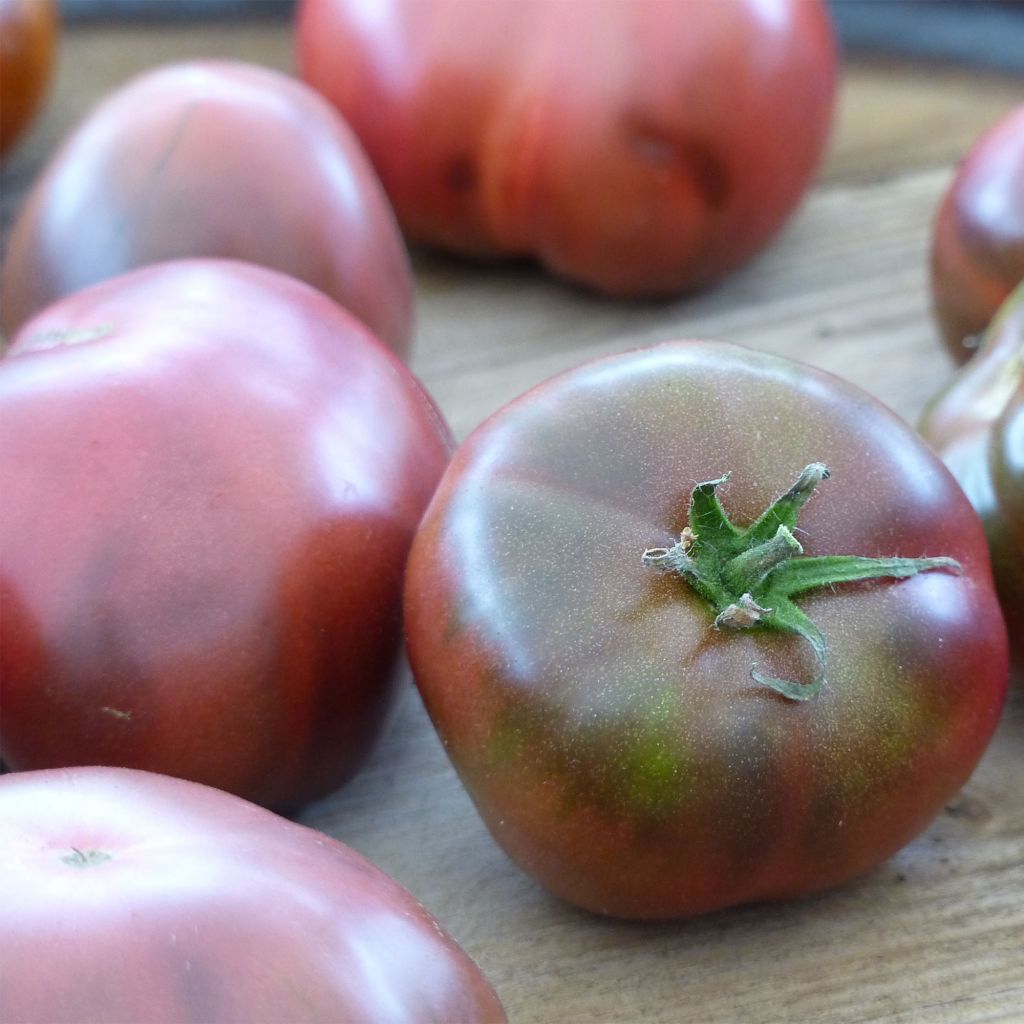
(977, 252)
(640, 148)
(977, 425)
(28, 44)
(130, 896)
(213, 159)
(211, 478)
(625, 739)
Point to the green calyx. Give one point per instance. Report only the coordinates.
(749, 576)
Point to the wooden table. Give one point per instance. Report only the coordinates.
(935, 935)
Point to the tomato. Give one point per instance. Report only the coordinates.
(639, 148)
(213, 159)
(28, 43)
(211, 475)
(977, 425)
(134, 897)
(643, 750)
(977, 252)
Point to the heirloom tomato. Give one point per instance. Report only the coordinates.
(213, 159)
(28, 46)
(977, 254)
(130, 896)
(211, 476)
(666, 692)
(977, 425)
(639, 148)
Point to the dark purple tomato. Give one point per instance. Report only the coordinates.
(135, 897)
(213, 159)
(977, 425)
(662, 684)
(211, 475)
(977, 252)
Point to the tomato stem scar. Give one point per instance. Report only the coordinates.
(84, 858)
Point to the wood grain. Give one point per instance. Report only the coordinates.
(934, 936)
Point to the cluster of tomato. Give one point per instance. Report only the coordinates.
(227, 498)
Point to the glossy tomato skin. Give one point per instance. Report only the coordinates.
(614, 742)
(211, 477)
(28, 44)
(213, 159)
(975, 424)
(639, 148)
(1006, 533)
(977, 254)
(135, 897)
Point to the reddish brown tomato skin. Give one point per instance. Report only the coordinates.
(28, 49)
(975, 424)
(200, 908)
(211, 478)
(213, 159)
(613, 741)
(1006, 533)
(977, 254)
(638, 148)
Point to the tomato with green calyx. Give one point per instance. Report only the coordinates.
(766, 718)
(977, 425)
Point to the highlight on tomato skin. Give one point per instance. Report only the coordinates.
(131, 896)
(640, 149)
(211, 477)
(976, 424)
(216, 159)
(977, 246)
(1006, 459)
(29, 31)
(619, 728)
